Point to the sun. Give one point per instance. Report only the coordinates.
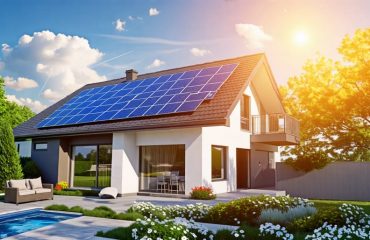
(300, 38)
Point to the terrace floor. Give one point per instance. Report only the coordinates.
(123, 203)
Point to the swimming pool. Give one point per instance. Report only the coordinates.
(23, 221)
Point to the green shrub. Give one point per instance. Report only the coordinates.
(30, 170)
(247, 210)
(57, 207)
(330, 215)
(79, 193)
(121, 233)
(76, 209)
(103, 212)
(10, 167)
(129, 216)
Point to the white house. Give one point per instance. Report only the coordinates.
(220, 125)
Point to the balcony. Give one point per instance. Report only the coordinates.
(275, 129)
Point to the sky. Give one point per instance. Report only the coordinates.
(51, 48)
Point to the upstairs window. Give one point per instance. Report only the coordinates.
(245, 112)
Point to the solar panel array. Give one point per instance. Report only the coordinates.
(167, 94)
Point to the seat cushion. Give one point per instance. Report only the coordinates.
(42, 190)
(108, 192)
(20, 184)
(26, 192)
(36, 183)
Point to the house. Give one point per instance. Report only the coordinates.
(228, 138)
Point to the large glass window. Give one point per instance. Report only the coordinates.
(92, 166)
(219, 156)
(157, 165)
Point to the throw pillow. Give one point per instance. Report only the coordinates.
(20, 184)
(36, 183)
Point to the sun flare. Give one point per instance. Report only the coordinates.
(300, 38)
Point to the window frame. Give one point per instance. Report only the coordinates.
(40, 149)
(224, 163)
(245, 101)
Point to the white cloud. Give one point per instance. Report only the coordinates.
(254, 35)
(35, 105)
(20, 83)
(153, 12)
(156, 63)
(62, 62)
(120, 25)
(5, 48)
(51, 95)
(199, 52)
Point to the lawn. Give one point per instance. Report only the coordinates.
(90, 181)
(335, 203)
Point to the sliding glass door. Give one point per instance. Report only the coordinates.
(158, 163)
(91, 166)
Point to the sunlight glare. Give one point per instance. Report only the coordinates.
(300, 38)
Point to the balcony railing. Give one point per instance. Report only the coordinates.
(275, 123)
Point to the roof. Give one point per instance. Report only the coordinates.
(213, 112)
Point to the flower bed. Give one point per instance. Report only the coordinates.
(248, 210)
(202, 192)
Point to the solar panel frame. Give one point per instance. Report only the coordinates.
(168, 94)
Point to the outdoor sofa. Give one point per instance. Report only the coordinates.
(27, 190)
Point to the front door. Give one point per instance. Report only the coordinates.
(242, 168)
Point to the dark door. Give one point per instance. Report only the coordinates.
(242, 168)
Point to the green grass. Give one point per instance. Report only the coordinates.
(90, 181)
(79, 193)
(335, 203)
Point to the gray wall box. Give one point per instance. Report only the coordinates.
(340, 180)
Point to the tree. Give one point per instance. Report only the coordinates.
(10, 166)
(12, 112)
(331, 99)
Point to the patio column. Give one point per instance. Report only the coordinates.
(125, 163)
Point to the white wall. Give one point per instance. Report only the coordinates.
(125, 164)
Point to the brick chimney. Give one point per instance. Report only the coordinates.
(131, 74)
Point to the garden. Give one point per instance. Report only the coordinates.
(257, 217)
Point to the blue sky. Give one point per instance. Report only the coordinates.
(51, 48)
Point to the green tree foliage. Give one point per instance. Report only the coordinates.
(332, 101)
(12, 112)
(10, 166)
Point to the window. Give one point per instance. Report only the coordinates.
(41, 146)
(219, 156)
(244, 112)
(271, 160)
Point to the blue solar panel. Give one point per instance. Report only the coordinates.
(167, 94)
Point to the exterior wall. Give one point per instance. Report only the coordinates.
(47, 160)
(125, 158)
(340, 181)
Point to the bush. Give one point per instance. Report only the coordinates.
(72, 192)
(203, 193)
(121, 233)
(30, 170)
(57, 207)
(276, 216)
(274, 232)
(76, 209)
(130, 216)
(190, 211)
(330, 215)
(247, 210)
(10, 167)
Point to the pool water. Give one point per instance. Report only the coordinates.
(24, 221)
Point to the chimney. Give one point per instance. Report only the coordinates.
(131, 74)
